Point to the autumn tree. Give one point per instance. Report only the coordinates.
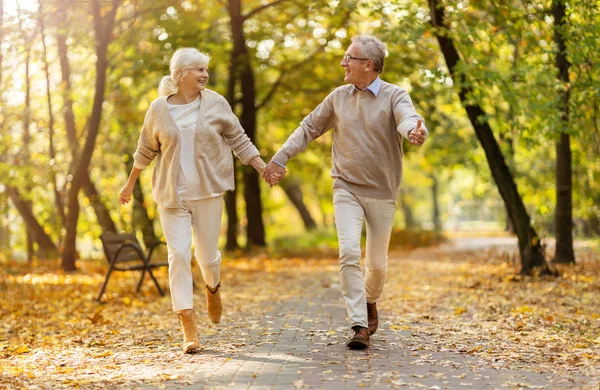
(530, 248)
(104, 19)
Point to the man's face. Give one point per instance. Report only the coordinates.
(354, 65)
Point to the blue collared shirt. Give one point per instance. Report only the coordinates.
(374, 87)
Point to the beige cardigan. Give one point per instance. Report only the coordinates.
(218, 131)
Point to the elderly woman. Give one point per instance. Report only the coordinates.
(191, 130)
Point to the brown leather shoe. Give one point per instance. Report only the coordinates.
(373, 317)
(360, 340)
(215, 307)
(190, 332)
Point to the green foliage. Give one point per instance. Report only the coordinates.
(295, 48)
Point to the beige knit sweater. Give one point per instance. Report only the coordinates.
(218, 132)
(367, 137)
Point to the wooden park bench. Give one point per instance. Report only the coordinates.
(124, 253)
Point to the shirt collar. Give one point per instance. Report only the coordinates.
(374, 87)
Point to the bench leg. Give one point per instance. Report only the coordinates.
(149, 270)
(160, 290)
(141, 280)
(110, 269)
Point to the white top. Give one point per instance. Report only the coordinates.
(189, 185)
(219, 133)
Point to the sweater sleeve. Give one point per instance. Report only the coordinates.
(148, 145)
(312, 127)
(235, 136)
(405, 114)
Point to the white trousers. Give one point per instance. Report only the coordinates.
(203, 217)
(350, 212)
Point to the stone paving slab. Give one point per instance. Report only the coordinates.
(301, 345)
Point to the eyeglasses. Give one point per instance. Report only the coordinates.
(348, 58)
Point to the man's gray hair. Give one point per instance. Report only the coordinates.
(372, 48)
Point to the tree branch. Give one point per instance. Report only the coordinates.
(261, 8)
(279, 80)
(299, 65)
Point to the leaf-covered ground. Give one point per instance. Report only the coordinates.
(464, 302)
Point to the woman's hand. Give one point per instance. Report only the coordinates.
(273, 173)
(127, 190)
(125, 194)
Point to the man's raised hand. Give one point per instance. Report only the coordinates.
(418, 135)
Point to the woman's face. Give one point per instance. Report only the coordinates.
(194, 79)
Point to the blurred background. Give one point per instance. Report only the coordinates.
(511, 103)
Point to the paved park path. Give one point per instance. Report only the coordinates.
(300, 344)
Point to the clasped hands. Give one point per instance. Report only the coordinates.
(273, 173)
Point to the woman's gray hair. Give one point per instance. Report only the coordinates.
(182, 60)
(372, 48)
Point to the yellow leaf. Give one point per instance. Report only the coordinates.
(399, 327)
(127, 301)
(476, 349)
(459, 310)
(96, 318)
(104, 354)
(22, 349)
(523, 309)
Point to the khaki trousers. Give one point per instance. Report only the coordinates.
(350, 212)
(203, 218)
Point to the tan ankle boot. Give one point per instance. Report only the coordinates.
(190, 331)
(215, 307)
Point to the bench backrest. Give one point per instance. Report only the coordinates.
(112, 241)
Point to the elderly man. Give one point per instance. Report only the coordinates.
(369, 118)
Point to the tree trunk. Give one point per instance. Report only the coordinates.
(409, 221)
(24, 156)
(231, 196)
(103, 27)
(294, 192)
(530, 248)
(508, 140)
(509, 227)
(591, 226)
(563, 214)
(58, 198)
(65, 86)
(36, 231)
(1, 35)
(90, 190)
(4, 225)
(141, 220)
(243, 69)
(232, 220)
(4, 210)
(437, 224)
(102, 214)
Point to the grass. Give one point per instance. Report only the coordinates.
(322, 243)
